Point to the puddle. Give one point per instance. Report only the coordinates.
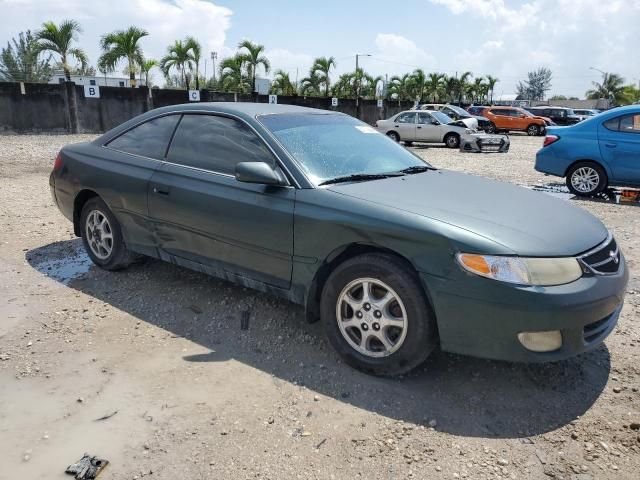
(65, 268)
(625, 196)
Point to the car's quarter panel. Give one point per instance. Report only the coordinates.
(120, 179)
(241, 228)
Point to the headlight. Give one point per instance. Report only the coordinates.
(522, 270)
(468, 130)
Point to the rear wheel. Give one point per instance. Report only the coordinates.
(394, 135)
(452, 140)
(533, 130)
(102, 236)
(376, 315)
(586, 179)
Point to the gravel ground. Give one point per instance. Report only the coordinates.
(196, 397)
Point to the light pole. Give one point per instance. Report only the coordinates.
(597, 70)
(214, 56)
(357, 77)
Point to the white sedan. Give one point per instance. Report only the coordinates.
(424, 126)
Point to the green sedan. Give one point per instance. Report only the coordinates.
(393, 256)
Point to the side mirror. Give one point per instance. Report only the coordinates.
(258, 172)
(435, 122)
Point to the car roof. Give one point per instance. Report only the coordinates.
(242, 108)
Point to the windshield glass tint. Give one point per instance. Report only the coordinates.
(442, 117)
(327, 146)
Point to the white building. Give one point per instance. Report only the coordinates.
(100, 80)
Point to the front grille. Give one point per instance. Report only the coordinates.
(594, 331)
(603, 259)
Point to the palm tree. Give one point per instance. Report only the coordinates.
(418, 83)
(282, 84)
(477, 88)
(611, 88)
(232, 77)
(461, 85)
(433, 87)
(58, 39)
(491, 83)
(179, 57)
(400, 86)
(196, 51)
(254, 58)
(322, 66)
(345, 87)
(145, 68)
(310, 86)
(450, 86)
(123, 45)
(370, 88)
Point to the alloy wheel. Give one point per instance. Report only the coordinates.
(585, 179)
(372, 317)
(99, 234)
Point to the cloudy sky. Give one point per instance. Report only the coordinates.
(503, 38)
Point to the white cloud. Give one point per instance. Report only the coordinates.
(292, 63)
(165, 21)
(567, 36)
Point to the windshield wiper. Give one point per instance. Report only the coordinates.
(416, 169)
(361, 177)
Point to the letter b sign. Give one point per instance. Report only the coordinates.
(92, 91)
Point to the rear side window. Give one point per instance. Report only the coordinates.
(612, 124)
(216, 143)
(149, 139)
(630, 124)
(406, 118)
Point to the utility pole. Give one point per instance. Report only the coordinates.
(357, 77)
(214, 56)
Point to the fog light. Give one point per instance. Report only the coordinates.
(541, 341)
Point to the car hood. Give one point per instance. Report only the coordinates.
(526, 222)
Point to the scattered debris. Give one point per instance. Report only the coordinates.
(321, 443)
(107, 416)
(87, 468)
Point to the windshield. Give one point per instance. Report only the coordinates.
(327, 146)
(526, 113)
(443, 118)
(460, 111)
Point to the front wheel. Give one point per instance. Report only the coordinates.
(586, 179)
(452, 140)
(375, 314)
(102, 236)
(491, 128)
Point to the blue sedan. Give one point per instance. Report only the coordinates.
(598, 152)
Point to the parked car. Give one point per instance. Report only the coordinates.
(477, 109)
(514, 119)
(424, 126)
(560, 115)
(585, 112)
(387, 253)
(457, 113)
(601, 151)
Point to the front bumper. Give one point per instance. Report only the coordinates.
(482, 317)
(484, 143)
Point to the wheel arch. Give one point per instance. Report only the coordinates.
(81, 198)
(337, 257)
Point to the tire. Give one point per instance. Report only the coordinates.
(393, 135)
(103, 242)
(533, 130)
(586, 179)
(407, 345)
(452, 140)
(491, 128)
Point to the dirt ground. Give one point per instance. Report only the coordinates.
(190, 395)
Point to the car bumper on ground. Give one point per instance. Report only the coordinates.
(484, 143)
(483, 317)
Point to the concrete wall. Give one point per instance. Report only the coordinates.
(64, 108)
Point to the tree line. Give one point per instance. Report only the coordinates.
(33, 57)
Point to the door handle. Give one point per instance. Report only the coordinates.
(418, 126)
(161, 189)
(611, 145)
